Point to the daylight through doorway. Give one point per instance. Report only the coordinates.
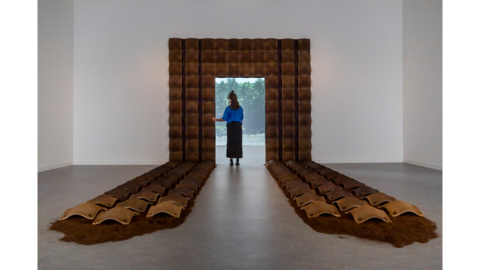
(251, 96)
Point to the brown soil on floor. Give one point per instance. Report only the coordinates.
(81, 230)
(404, 230)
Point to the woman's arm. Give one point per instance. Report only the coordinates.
(217, 119)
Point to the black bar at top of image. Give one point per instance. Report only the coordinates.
(295, 55)
(279, 125)
(200, 101)
(183, 100)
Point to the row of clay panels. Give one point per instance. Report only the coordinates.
(194, 64)
(174, 183)
(331, 202)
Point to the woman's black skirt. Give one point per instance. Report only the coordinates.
(234, 140)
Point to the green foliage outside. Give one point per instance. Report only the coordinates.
(251, 97)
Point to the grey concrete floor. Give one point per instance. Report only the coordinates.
(241, 220)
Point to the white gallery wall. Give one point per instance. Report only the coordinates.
(422, 82)
(55, 83)
(121, 72)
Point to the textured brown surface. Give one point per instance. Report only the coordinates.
(317, 208)
(405, 230)
(193, 180)
(86, 210)
(140, 182)
(295, 192)
(332, 175)
(188, 185)
(327, 187)
(295, 184)
(167, 207)
(326, 171)
(120, 193)
(137, 205)
(348, 203)
(157, 188)
(168, 181)
(337, 193)
(308, 198)
(319, 181)
(341, 179)
(365, 212)
(104, 200)
(176, 198)
(378, 198)
(185, 192)
(308, 174)
(193, 66)
(351, 183)
(146, 195)
(130, 186)
(364, 191)
(286, 178)
(119, 214)
(82, 231)
(397, 208)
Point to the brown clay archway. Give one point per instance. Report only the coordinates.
(194, 64)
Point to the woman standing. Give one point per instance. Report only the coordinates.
(234, 116)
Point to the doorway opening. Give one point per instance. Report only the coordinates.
(251, 96)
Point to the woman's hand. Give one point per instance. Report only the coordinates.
(214, 119)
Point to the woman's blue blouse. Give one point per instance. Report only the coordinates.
(233, 115)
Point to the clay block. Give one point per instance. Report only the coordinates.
(195, 180)
(351, 183)
(304, 68)
(365, 212)
(146, 195)
(317, 208)
(348, 203)
(185, 192)
(327, 187)
(175, 132)
(271, 106)
(295, 192)
(332, 175)
(319, 182)
(220, 44)
(397, 208)
(296, 184)
(166, 207)
(304, 119)
(168, 181)
(305, 146)
(103, 200)
(341, 179)
(119, 214)
(208, 56)
(316, 177)
(338, 193)
(188, 185)
(308, 198)
(175, 198)
(120, 193)
(86, 210)
(139, 182)
(134, 204)
(326, 171)
(364, 191)
(378, 198)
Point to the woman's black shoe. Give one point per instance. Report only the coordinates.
(237, 164)
(231, 163)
